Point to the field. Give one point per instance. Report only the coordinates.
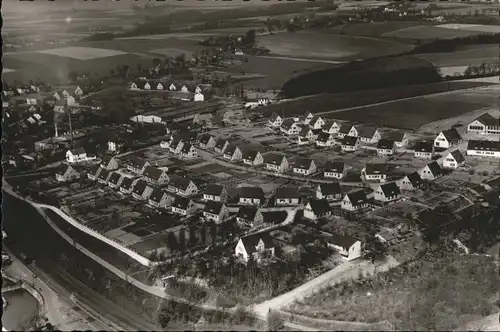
(429, 294)
(328, 46)
(374, 29)
(82, 53)
(171, 52)
(429, 32)
(472, 27)
(463, 56)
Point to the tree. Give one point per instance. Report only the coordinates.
(274, 321)
(249, 38)
(374, 250)
(172, 243)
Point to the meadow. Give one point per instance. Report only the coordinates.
(463, 56)
(424, 32)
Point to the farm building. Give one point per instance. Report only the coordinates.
(489, 149)
(454, 159)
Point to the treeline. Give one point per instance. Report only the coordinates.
(450, 45)
(363, 75)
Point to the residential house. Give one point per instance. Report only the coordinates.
(155, 175)
(198, 96)
(77, 155)
(345, 129)
(103, 176)
(483, 149)
(325, 140)
(252, 157)
(485, 124)
(276, 162)
(348, 247)
(238, 52)
(308, 117)
(93, 172)
(172, 87)
(306, 136)
(257, 247)
(137, 165)
(141, 190)
(207, 141)
(275, 120)
(354, 201)
(331, 127)
(336, 170)
(215, 211)
(411, 182)
(329, 191)
(447, 138)
(251, 196)
(286, 196)
(232, 153)
(215, 192)
(176, 145)
(109, 163)
(368, 135)
(290, 127)
(188, 151)
(454, 159)
(249, 215)
(69, 174)
(304, 166)
(374, 172)
(385, 147)
(349, 144)
(182, 186)
(399, 138)
(431, 171)
(185, 89)
(316, 122)
(115, 179)
(128, 184)
(159, 86)
(317, 208)
(183, 206)
(221, 145)
(424, 150)
(387, 192)
(160, 199)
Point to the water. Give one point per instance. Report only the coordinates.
(21, 307)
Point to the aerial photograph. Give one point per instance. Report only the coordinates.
(250, 165)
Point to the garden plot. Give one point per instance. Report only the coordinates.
(82, 53)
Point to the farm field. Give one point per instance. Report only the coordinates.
(374, 29)
(414, 113)
(328, 46)
(82, 53)
(472, 27)
(463, 57)
(423, 32)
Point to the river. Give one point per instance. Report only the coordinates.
(21, 307)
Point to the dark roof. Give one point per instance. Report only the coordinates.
(357, 197)
(251, 241)
(273, 158)
(181, 203)
(319, 206)
(176, 140)
(376, 168)
(345, 128)
(214, 189)
(304, 131)
(221, 142)
(186, 148)
(153, 172)
(213, 207)
(344, 241)
(349, 140)
(330, 188)
(303, 163)
(458, 156)
(157, 195)
(424, 146)
(287, 123)
(103, 175)
(274, 217)
(106, 160)
(251, 192)
(390, 189)
(323, 137)
(396, 136)
(335, 167)
(126, 183)
(78, 151)
(483, 145)
(328, 123)
(488, 120)
(94, 169)
(247, 212)
(287, 192)
(114, 178)
(415, 179)
(274, 116)
(205, 138)
(179, 182)
(250, 154)
(231, 148)
(139, 187)
(386, 144)
(137, 162)
(367, 131)
(314, 119)
(434, 168)
(452, 135)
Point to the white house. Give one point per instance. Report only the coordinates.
(307, 118)
(103, 176)
(485, 124)
(128, 184)
(336, 170)
(155, 175)
(207, 141)
(185, 89)
(188, 151)
(348, 247)
(252, 158)
(349, 143)
(304, 166)
(198, 96)
(68, 175)
(331, 127)
(141, 190)
(221, 145)
(78, 155)
(183, 206)
(215, 211)
(325, 140)
(275, 120)
(249, 215)
(258, 246)
(147, 86)
(251, 195)
(354, 201)
(287, 196)
(159, 86)
(453, 160)
(78, 91)
(368, 135)
(374, 172)
(329, 191)
(399, 138)
(182, 186)
(387, 192)
(385, 147)
(317, 208)
(489, 149)
(233, 153)
(447, 138)
(172, 87)
(290, 128)
(276, 162)
(411, 182)
(345, 129)
(306, 136)
(424, 150)
(159, 198)
(137, 165)
(214, 192)
(431, 171)
(316, 122)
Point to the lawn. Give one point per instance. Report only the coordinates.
(429, 294)
(430, 32)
